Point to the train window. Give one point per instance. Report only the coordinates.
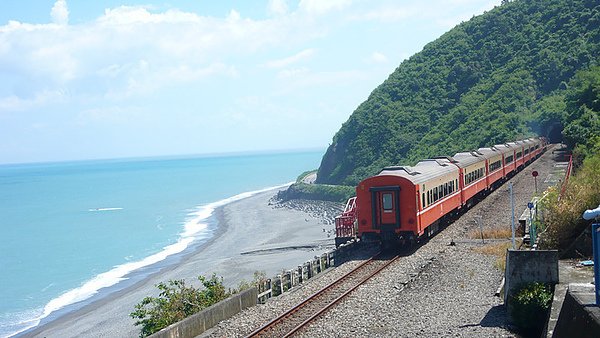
(387, 201)
(445, 189)
(451, 186)
(435, 194)
(441, 190)
(456, 185)
(429, 197)
(423, 201)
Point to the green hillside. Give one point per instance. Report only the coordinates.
(500, 76)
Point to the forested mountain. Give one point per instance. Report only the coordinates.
(500, 76)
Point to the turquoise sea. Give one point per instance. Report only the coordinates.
(71, 229)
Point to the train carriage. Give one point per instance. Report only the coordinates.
(407, 202)
(528, 148)
(508, 159)
(537, 148)
(518, 148)
(495, 173)
(472, 174)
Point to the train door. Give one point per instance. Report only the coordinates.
(386, 207)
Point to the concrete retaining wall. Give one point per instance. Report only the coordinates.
(209, 317)
(524, 267)
(579, 316)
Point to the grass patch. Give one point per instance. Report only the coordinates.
(496, 233)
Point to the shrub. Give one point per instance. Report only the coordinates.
(175, 302)
(323, 192)
(530, 307)
(562, 216)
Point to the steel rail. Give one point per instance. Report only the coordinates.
(263, 330)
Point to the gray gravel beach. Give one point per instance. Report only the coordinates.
(254, 234)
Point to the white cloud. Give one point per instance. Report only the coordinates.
(435, 10)
(302, 78)
(277, 7)
(234, 16)
(290, 73)
(177, 46)
(41, 98)
(387, 14)
(60, 12)
(320, 7)
(300, 56)
(378, 57)
(109, 115)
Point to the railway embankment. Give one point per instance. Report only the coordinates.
(445, 288)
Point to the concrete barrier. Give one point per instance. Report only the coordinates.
(209, 317)
(579, 315)
(523, 267)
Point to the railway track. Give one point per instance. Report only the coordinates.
(302, 314)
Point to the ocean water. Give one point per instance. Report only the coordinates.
(70, 229)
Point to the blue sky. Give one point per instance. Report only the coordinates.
(108, 79)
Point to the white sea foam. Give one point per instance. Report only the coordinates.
(105, 209)
(196, 224)
(19, 322)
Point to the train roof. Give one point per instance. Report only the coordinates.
(503, 148)
(489, 152)
(423, 171)
(528, 142)
(466, 159)
(515, 145)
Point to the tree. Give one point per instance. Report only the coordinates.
(175, 302)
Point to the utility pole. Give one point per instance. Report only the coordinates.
(512, 219)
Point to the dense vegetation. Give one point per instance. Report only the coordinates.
(500, 76)
(562, 214)
(530, 308)
(322, 192)
(177, 301)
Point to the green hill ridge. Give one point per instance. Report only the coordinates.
(500, 76)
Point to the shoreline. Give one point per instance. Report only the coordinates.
(234, 251)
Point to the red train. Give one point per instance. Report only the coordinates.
(405, 204)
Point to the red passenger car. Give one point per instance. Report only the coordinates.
(407, 202)
(494, 166)
(518, 148)
(472, 175)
